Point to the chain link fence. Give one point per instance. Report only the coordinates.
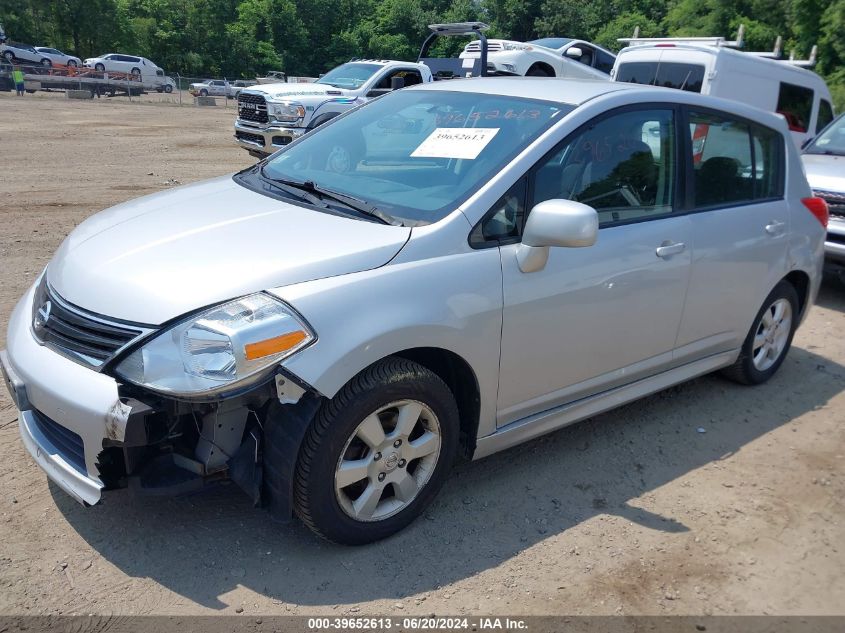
(78, 82)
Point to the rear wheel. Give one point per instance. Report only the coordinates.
(377, 453)
(769, 339)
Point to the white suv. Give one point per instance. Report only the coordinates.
(119, 63)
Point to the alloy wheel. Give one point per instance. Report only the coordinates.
(772, 334)
(387, 461)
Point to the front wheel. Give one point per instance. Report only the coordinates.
(168, 89)
(46, 63)
(769, 339)
(9, 55)
(377, 453)
(99, 68)
(537, 72)
(203, 92)
(72, 63)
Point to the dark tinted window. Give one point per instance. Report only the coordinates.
(551, 42)
(623, 166)
(604, 62)
(733, 161)
(825, 115)
(796, 104)
(768, 149)
(688, 77)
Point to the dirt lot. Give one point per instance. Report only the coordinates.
(633, 512)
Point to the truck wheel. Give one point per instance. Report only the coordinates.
(99, 68)
(769, 339)
(168, 89)
(377, 453)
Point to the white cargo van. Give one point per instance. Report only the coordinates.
(710, 66)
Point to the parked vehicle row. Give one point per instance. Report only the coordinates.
(220, 87)
(42, 56)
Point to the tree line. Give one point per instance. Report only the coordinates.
(242, 38)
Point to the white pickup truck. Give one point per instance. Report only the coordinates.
(272, 115)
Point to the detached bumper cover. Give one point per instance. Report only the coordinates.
(48, 387)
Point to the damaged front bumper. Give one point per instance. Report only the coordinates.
(90, 433)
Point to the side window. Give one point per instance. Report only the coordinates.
(721, 160)
(503, 222)
(796, 104)
(825, 115)
(768, 163)
(604, 62)
(623, 166)
(412, 77)
(689, 77)
(587, 55)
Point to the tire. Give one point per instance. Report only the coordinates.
(537, 72)
(9, 55)
(100, 68)
(136, 71)
(168, 89)
(46, 63)
(203, 92)
(372, 405)
(72, 63)
(755, 364)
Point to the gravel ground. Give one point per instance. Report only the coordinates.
(632, 512)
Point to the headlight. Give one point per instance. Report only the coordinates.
(515, 47)
(219, 348)
(287, 112)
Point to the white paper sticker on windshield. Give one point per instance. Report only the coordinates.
(455, 142)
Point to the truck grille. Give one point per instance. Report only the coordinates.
(67, 443)
(72, 332)
(475, 47)
(835, 201)
(256, 139)
(252, 108)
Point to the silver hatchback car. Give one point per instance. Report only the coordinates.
(447, 271)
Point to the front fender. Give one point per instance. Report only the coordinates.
(452, 302)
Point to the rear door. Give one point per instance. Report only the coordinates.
(740, 224)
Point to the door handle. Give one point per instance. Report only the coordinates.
(667, 249)
(775, 228)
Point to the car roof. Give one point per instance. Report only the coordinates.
(579, 91)
(574, 91)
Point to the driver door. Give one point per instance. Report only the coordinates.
(598, 317)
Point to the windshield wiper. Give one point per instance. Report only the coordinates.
(356, 204)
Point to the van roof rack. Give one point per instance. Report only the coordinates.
(776, 53)
(705, 41)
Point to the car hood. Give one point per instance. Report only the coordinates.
(283, 90)
(825, 172)
(158, 257)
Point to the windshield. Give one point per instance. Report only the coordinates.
(831, 140)
(416, 155)
(351, 75)
(551, 42)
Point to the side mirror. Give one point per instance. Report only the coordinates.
(574, 52)
(377, 92)
(563, 223)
